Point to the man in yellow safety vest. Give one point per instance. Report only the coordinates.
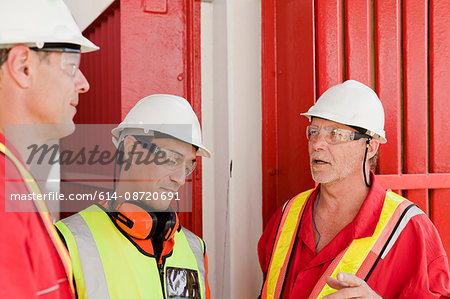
(40, 48)
(349, 237)
(134, 247)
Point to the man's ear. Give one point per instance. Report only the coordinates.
(373, 148)
(19, 65)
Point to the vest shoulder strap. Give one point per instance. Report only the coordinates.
(197, 247)
(93, 278)
(283, 245)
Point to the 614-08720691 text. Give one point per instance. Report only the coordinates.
(139, 196)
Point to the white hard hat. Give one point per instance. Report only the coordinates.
(164, 113)
(353, 104)
(36, 22)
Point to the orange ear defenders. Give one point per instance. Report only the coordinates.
(136, 221)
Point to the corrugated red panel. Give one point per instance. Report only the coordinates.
(440, 112)
(101, 104)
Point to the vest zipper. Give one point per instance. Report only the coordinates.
(161, 276)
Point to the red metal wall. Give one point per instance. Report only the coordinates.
(147, 47)
(399, 48)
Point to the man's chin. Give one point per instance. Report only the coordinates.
(321, 178)
(61, 130)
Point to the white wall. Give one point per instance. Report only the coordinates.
(231, 118)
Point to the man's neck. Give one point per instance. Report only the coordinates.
(337, 206)
(343, 197)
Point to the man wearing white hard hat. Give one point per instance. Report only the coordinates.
(349, 237)
(134, 247)
(40, 46)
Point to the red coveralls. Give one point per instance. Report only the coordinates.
(30, 266)
(416, 266)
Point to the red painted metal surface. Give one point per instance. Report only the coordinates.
(415, 94)
(156, 6)
(401, 49)
(289, 90)
(415, 181)
(329, 49)
(440, 112)
(269, 108)
(358, 42)
(388, 81)
(147, 47)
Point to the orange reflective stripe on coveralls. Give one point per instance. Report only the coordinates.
(44, 214)
(359, 258)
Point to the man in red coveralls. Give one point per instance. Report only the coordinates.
(349, 237)
(40, 46)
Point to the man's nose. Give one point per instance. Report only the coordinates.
(179, 176)
(81, 83)
(318, 141)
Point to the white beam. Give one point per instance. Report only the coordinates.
(86, 11)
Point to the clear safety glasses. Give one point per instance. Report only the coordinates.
(70, 58)
(333, 135)
(173, 160)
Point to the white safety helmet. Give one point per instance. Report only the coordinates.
(164, 113)
(36, 22)
(353, 104)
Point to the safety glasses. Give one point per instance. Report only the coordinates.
(172, 160)
(333, 135)
(70, 58)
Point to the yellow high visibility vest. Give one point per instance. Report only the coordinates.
(41, 208)
(359, 258)
(108, 265)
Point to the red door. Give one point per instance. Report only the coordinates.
(399, 48)
(147, 47)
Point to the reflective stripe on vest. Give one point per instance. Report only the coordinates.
(361, 257)
(283, 245)
(116, 263)
(41, 208)
(197, 248)
(91, 263)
